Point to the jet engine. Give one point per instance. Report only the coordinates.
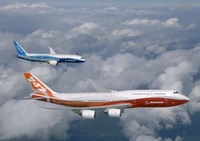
(89, 114)
(113, 112)
(53, 62)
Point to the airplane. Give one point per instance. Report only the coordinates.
(111, 103)
(52, 58)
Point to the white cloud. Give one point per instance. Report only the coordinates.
(138, 126)
(126, 32)
(86, 27)
(194, 105)
(172, 23)
(174, 76)
(113, 8)
(118, 57)
(25, 9)
(178, 138)
(190, 26)
(12, 6)
(144, 11)
(21, 6)
(10, 83)
(142, 22)
(40, 5)
(43, 33)
(119, 63)
(20, 118)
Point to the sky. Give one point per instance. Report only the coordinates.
(132, 45)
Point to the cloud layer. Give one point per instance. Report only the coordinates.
(123, 51)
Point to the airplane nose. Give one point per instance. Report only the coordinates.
(185, 99)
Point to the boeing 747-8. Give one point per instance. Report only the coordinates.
(111, 103)
(52, 58)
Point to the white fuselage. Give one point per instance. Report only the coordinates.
(110, 103)
(134, 98)
(60, 58)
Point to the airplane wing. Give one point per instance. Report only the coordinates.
(59, 107)
(52, 52)
(98, 87)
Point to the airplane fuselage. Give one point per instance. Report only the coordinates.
(60, 58)
(129, 99)
(111, 103)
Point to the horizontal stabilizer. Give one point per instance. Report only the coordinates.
(38, 98)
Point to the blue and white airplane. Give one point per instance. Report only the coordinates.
(52, 58)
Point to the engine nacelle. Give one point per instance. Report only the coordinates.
(53, 62)
(113, 112)
(89, 114)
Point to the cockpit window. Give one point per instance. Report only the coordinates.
(176, 92)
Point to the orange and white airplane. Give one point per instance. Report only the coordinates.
(111, 103)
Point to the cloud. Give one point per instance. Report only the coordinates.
(194, 105)
(25, 9)
(171, 23)
(86, 27)
(112, 8)
(190, 26)
(9, 80)
(141, 53)
(126, 32)
(41, 5)
(141, 11)
(35, 122)
(20, 6)
(19, 118)
(138, 126)
(16, 5)
(171, 79)
(179, 77)
(142, 22)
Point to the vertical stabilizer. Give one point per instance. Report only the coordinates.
(37, 86)
(20, 50)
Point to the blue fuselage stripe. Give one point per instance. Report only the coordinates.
(47, 58)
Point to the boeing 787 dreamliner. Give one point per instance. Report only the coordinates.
(52, 58)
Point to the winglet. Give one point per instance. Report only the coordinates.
(98, 87)
(20, 50)
(52, 52)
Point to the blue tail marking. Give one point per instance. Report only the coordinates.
(20, 50)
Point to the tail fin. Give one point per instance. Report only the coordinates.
(20, 50)
(37, 86)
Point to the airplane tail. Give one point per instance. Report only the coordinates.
(20, 50)
(39, 89)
